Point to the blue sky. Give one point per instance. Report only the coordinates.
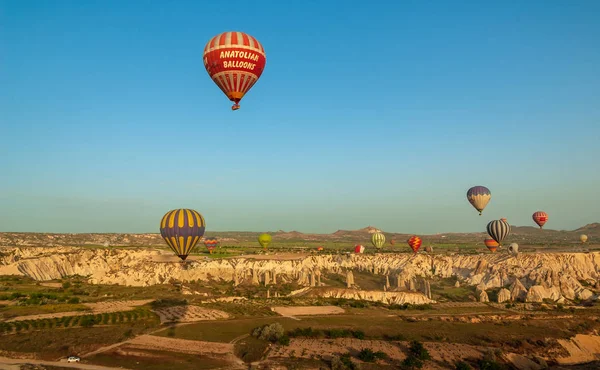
(375, 113)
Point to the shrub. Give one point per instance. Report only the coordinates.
(417, 350)
(73, 300)
(367, 355)
(66, 285)
(461, 365)
(87, 321)
(272, 332)
(411, 362)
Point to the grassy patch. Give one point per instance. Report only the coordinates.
(9, 312)
(156, 360)
(381, 327)
(443, 290)
(250, 349)
(58, 342)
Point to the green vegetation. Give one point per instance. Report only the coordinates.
(443, 290)
(367, 355)
(158, 360)
(416, 355)
(250, 349)
(50, 343)
(273, 333)
(85, 321)
(325, 333)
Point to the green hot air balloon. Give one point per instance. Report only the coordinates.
(264, 240)
(378, 240)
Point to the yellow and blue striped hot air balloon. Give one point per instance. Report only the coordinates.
(479, 197)
(182, 229)
(378, 240)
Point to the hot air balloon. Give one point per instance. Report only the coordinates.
(264, 240)
(414, 243)
(479, 196)
(513, 249)
(498, 230)
(429, 249)
(211, 244)
(491, 244)
(583, 238)
(540, 218)
(392, 241)
(503, 219)
(319, 249)
(359, 249)
(378, 240)
(234, 61)
(182, 229)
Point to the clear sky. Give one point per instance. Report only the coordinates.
(376, 113)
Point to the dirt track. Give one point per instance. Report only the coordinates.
(291, 311)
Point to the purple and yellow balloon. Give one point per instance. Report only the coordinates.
(182, 229)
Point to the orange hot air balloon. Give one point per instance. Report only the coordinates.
(319, 249)
(540, 218)
(491, 244)
(392, 241)
(504, 219)
(234, 61)
(415, 243)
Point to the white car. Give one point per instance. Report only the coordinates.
(73, 359)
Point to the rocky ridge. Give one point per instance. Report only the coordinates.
(525, 277)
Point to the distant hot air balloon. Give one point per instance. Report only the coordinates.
(234, 61)
(414, 242)
(503, 219)
(491, 244)
(513, 249)
(429, 249)
(319, 249)
(498, 230)
(378, 240)
(211, 244)
(359, 249)
(540, 218)
(479, 196)
(264, 240)
(392, 241)
(182, 229)
(583, 238)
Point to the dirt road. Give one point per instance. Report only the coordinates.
(13, 363)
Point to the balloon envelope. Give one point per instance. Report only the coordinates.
(234, 61)
(540, 218)
(264, 240)
(211, 243)
(182, 229)
(359, 249)
(491, 244)
(583, 238)
(414, 242)
(378, 240)
(479, 197)
(513, 248)
(498, 230)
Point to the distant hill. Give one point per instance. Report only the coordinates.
(520, 234)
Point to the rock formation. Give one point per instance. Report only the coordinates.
(531, 277)
(503, 295)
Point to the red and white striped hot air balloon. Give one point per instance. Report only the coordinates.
(359, 249)
(540, 218)
(234, 61)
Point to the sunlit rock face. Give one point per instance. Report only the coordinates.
(526, 277)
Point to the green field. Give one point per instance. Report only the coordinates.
(378, 325)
